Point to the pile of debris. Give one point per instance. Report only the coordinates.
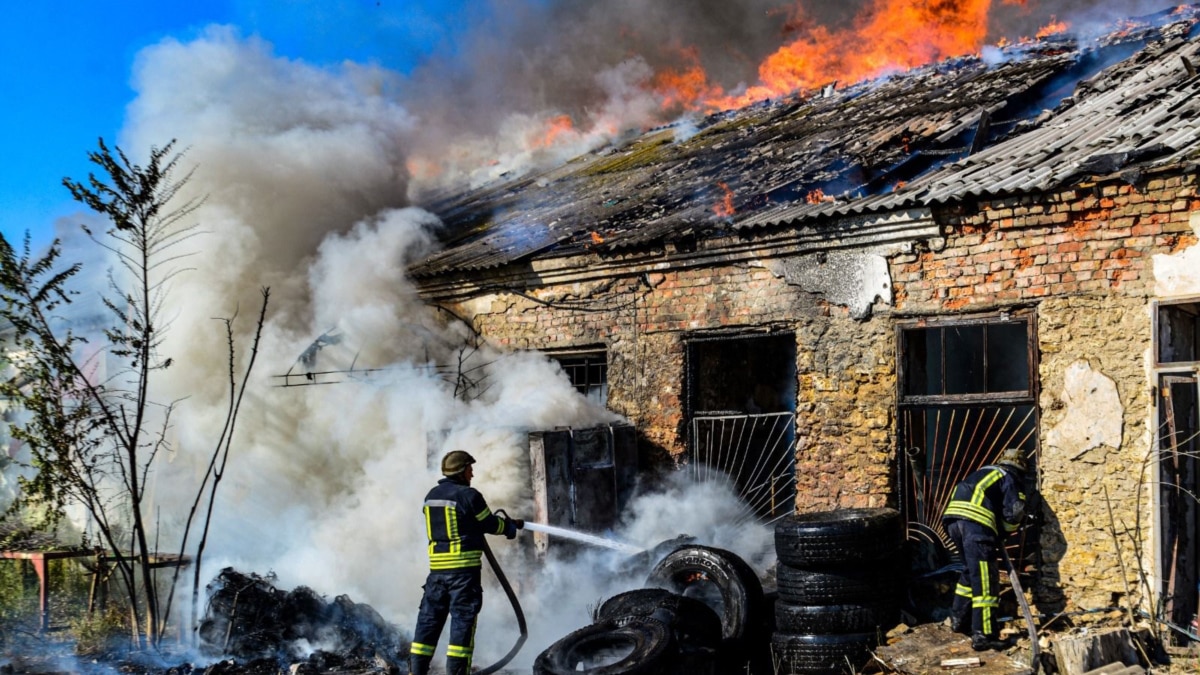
(247, 618)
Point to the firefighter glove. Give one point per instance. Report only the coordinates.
(510, 530)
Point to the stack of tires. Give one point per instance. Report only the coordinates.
(840, 578)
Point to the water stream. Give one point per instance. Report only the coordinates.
(583, 537)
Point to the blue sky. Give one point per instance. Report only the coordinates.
(65, 70)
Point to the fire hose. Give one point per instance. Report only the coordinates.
(1034, 659)
(516, 605)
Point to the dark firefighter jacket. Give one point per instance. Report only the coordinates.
(989, 493)
(456, 520)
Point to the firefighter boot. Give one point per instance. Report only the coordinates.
(960, 625)
(982, 643)
(457, 666)
(419, 665)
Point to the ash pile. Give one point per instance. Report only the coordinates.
(250, 620)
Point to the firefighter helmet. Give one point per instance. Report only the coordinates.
(455, 462)
(1014, 457)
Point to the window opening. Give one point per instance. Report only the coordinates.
(1177, 334)
(1179, 424)
(588, 373)
(1177, 328)
(967, 392)
(741, 401)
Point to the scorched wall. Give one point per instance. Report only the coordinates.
(1082, 260)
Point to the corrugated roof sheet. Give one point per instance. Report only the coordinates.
(1053, 112)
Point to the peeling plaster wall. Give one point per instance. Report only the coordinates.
(1092, 414)
(1178, 273)
(1095, 404)
(852, 279)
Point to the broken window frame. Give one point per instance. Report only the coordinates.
(770, 494)
(1185, 365)
(590, 361)
(1179, 602)
(921, 511)
(1029, 394)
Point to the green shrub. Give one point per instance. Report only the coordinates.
(102, 632)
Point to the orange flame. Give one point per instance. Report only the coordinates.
(684, 87)
(556, 127)
(421, 168)
(1055, 27)
(889, 35)
(596, 238)
(816, 196)
(724, 208)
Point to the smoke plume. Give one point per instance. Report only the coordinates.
(311, 176)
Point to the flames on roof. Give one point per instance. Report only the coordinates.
(1031, 116)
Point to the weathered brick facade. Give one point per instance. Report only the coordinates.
(1082, 259)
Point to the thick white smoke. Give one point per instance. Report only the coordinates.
(302, 173)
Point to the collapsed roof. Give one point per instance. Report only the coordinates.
(1028, 117)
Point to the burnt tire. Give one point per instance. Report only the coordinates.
(821, 654)
(692, 621)
(875, 584)
(633, 647)
(719, 578)
(830, 537)
(845, 618)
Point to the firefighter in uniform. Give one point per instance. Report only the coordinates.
(456, 520)
(986, 507)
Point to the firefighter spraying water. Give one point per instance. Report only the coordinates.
(584, 538)
(457, 518)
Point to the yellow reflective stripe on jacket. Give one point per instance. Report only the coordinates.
(455, 558)
(482, 516)
(972, 512)
(454, 561)
(974, 509)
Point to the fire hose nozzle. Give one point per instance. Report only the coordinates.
(517, 522)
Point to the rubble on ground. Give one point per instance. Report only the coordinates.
(248, 619)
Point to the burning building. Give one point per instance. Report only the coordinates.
(854, 296)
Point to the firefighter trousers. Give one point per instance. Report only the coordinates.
(977, 596)
(457, 594)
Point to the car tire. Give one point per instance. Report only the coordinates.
(632, 647)
(833, 537)
(843, 618)
(693, 622)
(849, 583)
(721, 579)
(820, 654)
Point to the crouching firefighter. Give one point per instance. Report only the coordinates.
(456, 520)
(986, 507)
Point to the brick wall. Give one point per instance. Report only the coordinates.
(1081, 256)
(1018, 250)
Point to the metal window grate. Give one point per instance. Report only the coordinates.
(755, 452)
(588, 374)
(968, 391)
